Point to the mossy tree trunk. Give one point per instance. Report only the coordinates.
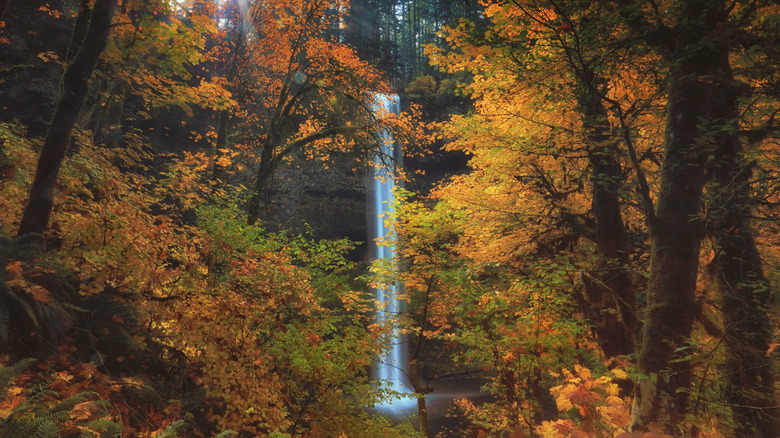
(609, 290)
(676, 230)
(746, 295)
(745, 303)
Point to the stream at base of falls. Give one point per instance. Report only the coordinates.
(443, 421)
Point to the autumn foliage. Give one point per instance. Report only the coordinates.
(605, 265)
(579, 216)
(154, 308)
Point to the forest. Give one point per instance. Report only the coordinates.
(582, 238)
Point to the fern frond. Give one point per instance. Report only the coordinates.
(24, 427)
(227, 433)
(22, 310)
(46, 429)
(69, 403)
(9, 372)
(105, 429)
(173, 430)
(56, 417)
(27, 247)
(72, 308)
(28, 406)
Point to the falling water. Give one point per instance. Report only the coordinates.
(391, 367)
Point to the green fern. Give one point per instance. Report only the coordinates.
(173, 430)
(29, 416)
(34, 417)
(12, 304)
(102, 428)
(227, 433)
(69, 403)
(46, 429)
(9, 372)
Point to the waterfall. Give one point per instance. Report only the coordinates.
(390, 368)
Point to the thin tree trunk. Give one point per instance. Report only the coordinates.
(90, 117)
(108, 129)
(79, 30)
(676, 231)
(75, 83)
(258, 199)
(419, 389)
(225, 115)
(223, 123)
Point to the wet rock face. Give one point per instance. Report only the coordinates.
(31, 73)
(30, 100)
(426, 172)
(330, 203)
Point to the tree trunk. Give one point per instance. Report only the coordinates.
(79, 30)
(609, 290)
(746, 297)
(676, 230)
(75, 82)
(422, 408)
(225, 115)
(414, 375)
(108, 130)
(744, 289)
(258, 199)
(220, 146)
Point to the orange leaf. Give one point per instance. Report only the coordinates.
(82, 411)
(583, 397)
(14, 268)
(39, 293)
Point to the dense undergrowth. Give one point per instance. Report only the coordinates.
(155, 310)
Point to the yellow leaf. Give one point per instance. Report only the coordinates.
(582, 372)
(620, 374)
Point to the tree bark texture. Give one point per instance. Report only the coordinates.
(108, 130)
(609, 290)
(677, 229)
(746, 295)
(75, 83)
(746, 299)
